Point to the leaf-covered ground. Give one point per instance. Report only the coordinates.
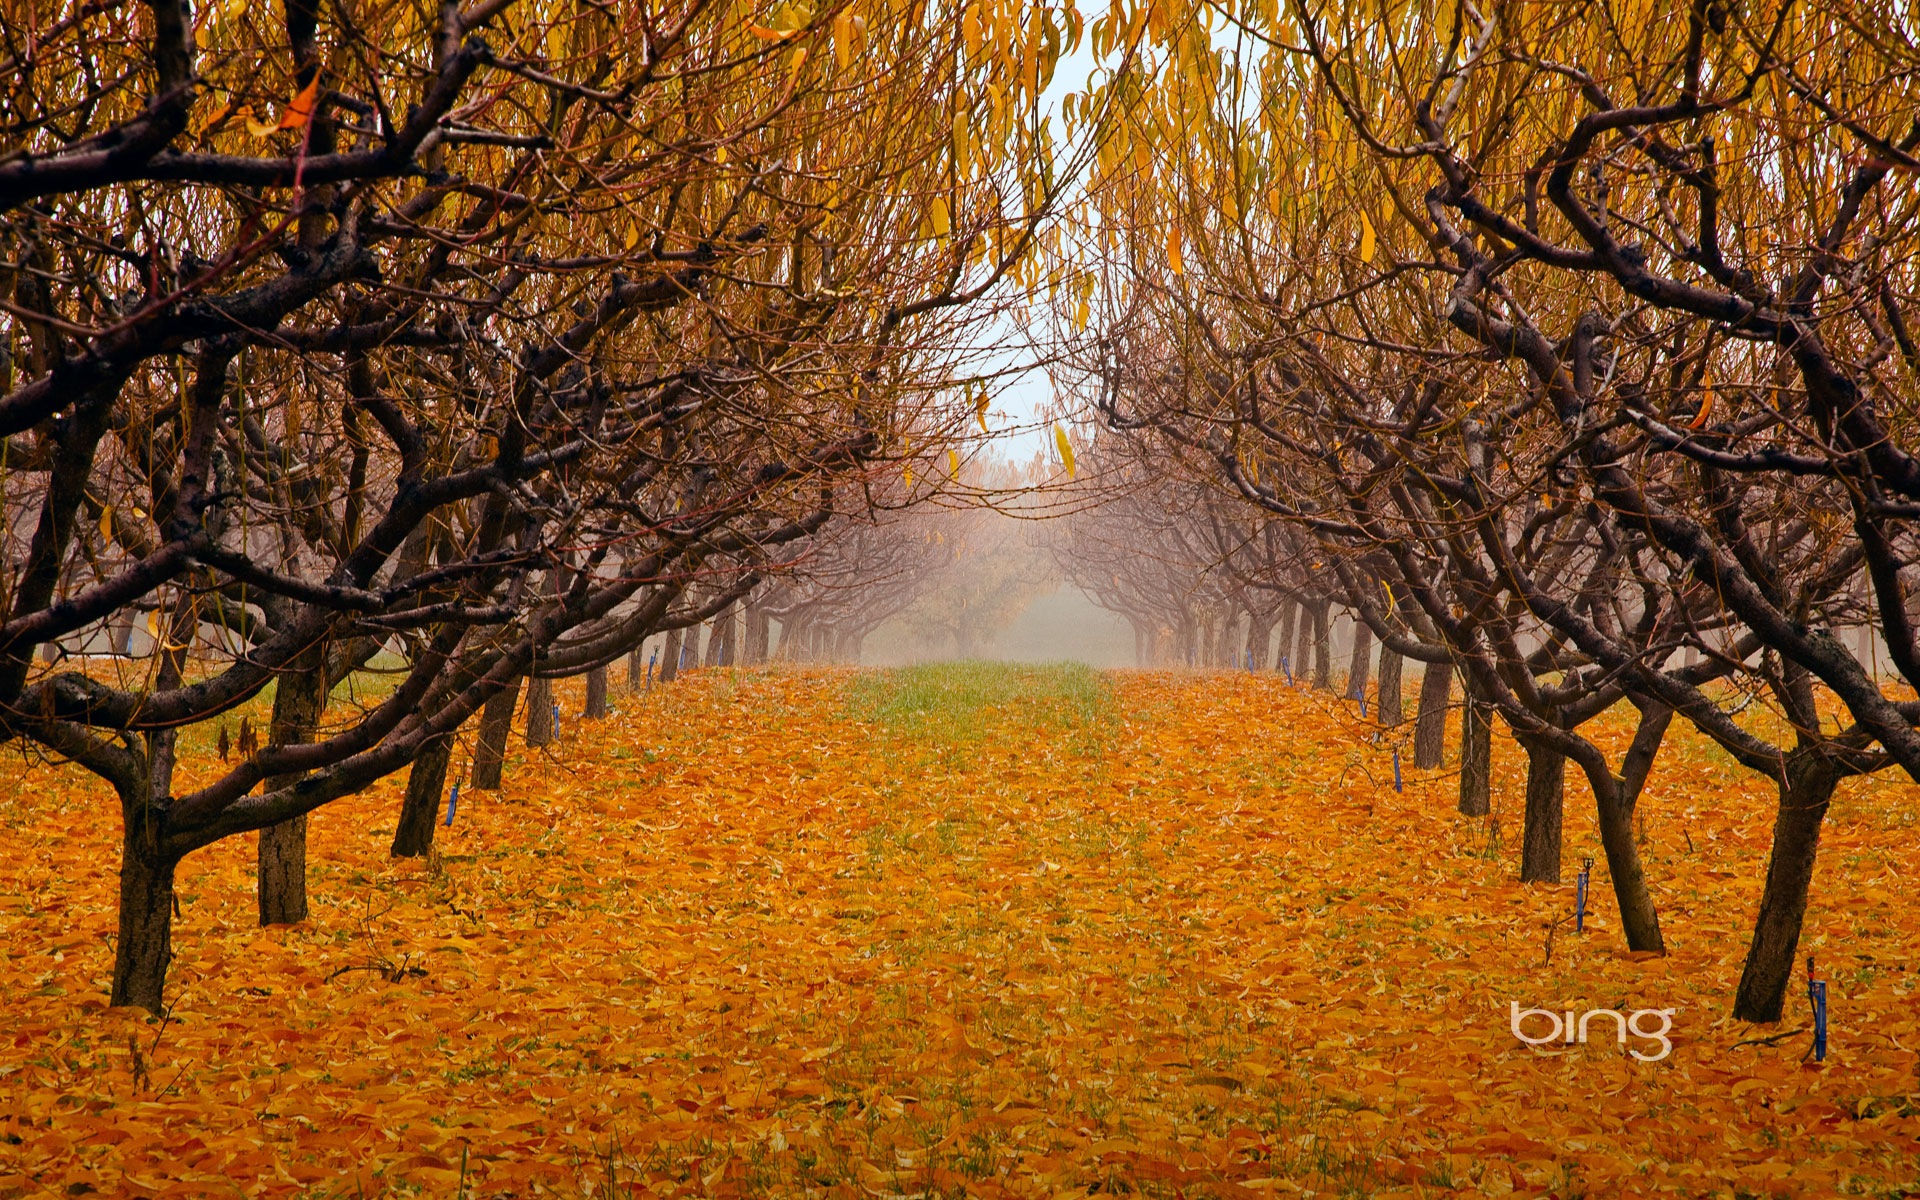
(958, 931)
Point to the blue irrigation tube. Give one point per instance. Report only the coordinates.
(1396, 770)
(453, 801)
(1580, 897)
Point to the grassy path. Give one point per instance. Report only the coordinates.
(954, 931)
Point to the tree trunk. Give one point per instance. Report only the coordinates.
(1360, 666)
(1322, 648)
(1259, 638)
(490, 750)
(1392, 710)
(731, 628)
(1804, 796)
(1546, 795)
(1303, 645)
(540, 723)
(596, 694)
(1639, 920)
(420, 810)
(1430, 723)
(144, 947)
(300, 695)
(670, 656)
(636, 669)
(1476, 755)
(716, 642)
(1288, 611)
(759, 630)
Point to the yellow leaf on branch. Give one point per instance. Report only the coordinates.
(1066, 448)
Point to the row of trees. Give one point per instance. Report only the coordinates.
(480, 339)
(1205, 580)
(1573, 341)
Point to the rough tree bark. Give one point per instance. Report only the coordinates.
(1360, 665)
(636, 668)
(1288, 611)
(1546, 796)
(1805, 792)
(670, 656)
(490, 749)
(759, 630)
(1430, 723)
(1323, 646)
(1259, 635)
(143, 948)
(1303, 645)
(298, 699)
(540, 724)
(1391, 709)
(1476, 755)
(1614, 800)
(596, 694)
(420, 810)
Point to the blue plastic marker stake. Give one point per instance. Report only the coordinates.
(1363, 706)
(1396, 770)
(683, 656)
(650, 662)
(1819, 1020)
(453, 801)
(1580, 897)
(1288, 668)
(556, 718)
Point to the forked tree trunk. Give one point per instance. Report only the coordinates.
(1360, 665)
(1476, 755)
(490, 748)
(1392, 710)
(1804, 796)
(299, 696)
(540, 723)
(596, 694)
(1322, 647)
(670, 656)
(1430, 723)
(1546, 799)
(420, 810)
(1615, 798)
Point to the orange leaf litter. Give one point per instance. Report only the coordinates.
(733, 941)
